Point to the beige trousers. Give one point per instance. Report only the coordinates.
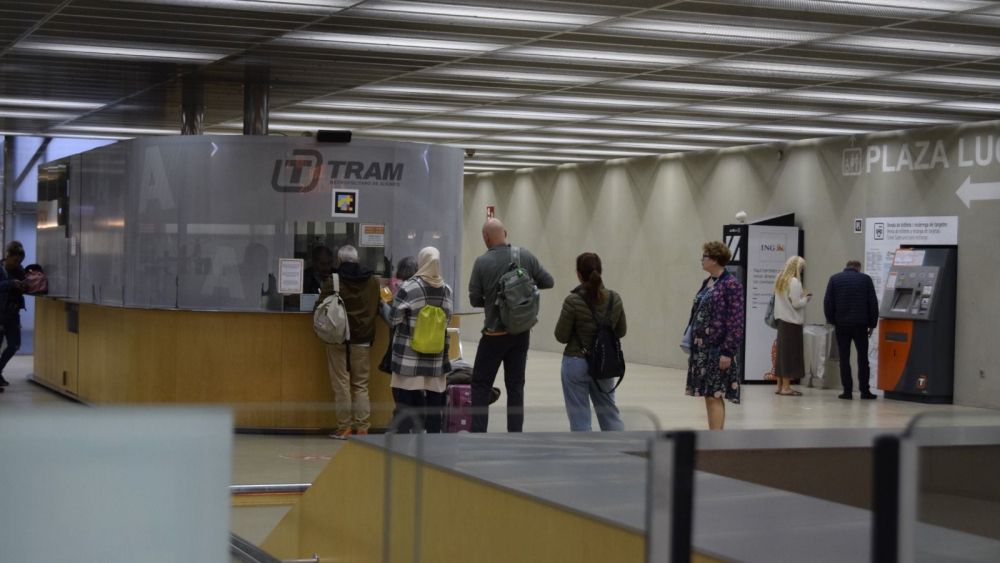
(350, 389)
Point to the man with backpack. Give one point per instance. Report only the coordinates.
(349, 362)
(505, 282)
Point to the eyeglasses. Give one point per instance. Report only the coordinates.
(704, 256)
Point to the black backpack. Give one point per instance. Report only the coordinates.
(605, 359)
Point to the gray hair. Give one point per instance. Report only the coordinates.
(347, 253)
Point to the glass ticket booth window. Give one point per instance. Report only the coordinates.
(318, 243)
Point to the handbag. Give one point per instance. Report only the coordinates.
(769, 319)
(686, 340)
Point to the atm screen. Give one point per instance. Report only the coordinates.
(902, 299)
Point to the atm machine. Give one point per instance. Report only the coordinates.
(916, 351)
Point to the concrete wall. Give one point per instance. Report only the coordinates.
(647, 219)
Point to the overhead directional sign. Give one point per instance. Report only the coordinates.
(970, 191)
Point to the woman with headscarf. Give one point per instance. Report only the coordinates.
(418, 380)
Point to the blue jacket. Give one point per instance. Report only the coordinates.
(850, 300)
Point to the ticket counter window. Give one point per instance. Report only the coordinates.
(317, 243)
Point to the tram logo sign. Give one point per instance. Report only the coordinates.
(305, 168)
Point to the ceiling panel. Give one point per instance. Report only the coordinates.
(524, 82)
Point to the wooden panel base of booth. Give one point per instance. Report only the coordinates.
(341, 518)
(270, 366)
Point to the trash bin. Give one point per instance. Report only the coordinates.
(820, 351)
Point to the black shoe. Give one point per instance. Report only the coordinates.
(845, 396)
(3, 382)
(868, 395)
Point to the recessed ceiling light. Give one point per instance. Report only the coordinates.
(463, 124)
(602, 152)
(809, 129)
(293, 6)
(691, 87)
(549, 139)
(937, 48)
(550, 158)
(510, 163)
(516, 76)
(392, 43)
(381, 105)
(313, 116)
(726, 138)
(108, 50)
(981, 82)
(756, 68)
(662, 146)
(540, 115)
(609, 131)
(987, 107)
(494, 147)
(888, 119)
(854, 98)
(715, 33)
(39, 103)
(625, 58)
(580, 100)
(758, 110)
(672, 121)
(458, 12)
(415, 133)
(431, 91)
(38, 114)
(119, 130)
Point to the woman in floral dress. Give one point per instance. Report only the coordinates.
(716, 336)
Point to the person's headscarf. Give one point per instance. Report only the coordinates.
(429, 266)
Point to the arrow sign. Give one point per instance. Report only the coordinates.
(215, 149)
(970, 192)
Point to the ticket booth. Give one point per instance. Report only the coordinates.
(917, 335)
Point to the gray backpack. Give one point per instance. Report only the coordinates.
(517, 297)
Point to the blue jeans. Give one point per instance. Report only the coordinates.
(579, 390)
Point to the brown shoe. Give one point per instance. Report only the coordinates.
(361, 432)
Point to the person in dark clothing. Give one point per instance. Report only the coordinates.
(497, 346)
(12, 288)
(851, 306)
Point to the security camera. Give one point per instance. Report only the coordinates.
(469, 153)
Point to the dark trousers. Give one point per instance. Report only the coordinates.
(425, 406)
(512, 351)
(859, 336)
(12, 334)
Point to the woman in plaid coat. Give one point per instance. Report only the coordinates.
(418, 380)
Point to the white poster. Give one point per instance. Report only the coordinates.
(768, 248)
(883, 235)
(372, 236)
(290, 275)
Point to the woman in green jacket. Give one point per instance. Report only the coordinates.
(576, 326)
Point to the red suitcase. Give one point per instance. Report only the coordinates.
(459, 409)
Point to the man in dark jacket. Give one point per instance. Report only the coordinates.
(851, 307)
(349, 363)
(496, 346)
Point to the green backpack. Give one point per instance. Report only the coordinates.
(429, 330)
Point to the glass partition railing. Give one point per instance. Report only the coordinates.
(936, 495)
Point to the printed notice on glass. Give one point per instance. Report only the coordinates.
(372, 236)
(290, 275)
(908, 258)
